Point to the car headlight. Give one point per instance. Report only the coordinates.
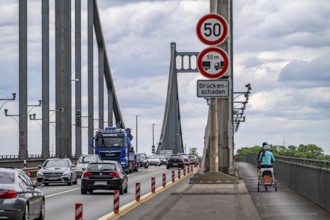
(39, 174)
(66, 173)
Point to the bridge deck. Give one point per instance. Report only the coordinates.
(228, 202)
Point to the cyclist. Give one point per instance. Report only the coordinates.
(260, 152)
(266, 158)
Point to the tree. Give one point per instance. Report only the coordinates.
(310, 151)
(193, 151)
(248, 150)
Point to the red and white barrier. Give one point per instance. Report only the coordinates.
(173, 176)
(164, 179)
(184, 171)
(153, 184)
(78, 211)
(179, 173)
(116, 201)
(137, 192)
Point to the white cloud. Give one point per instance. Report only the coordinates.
(280, 47)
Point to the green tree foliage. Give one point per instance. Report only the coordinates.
(193, 151)
(310, 151)
(248, 150)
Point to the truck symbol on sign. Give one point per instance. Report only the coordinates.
(218, 65)
(207, 65)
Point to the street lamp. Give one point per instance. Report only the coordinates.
(136, 128)
(7, 100)
(33, 106)
(12, 116)
(33, 118)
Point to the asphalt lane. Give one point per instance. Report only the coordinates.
(285, 204)
(61, 199)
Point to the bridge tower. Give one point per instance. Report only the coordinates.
(171, 133)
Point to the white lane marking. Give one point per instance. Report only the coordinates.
(55, 194)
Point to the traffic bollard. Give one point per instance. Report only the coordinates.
(116, 201)
(153, 184)
(173, 176)
(137, 192)
(179, 173)
(78, 211)
(164, 179)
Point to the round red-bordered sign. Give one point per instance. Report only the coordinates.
(212, 29)
(212, 62)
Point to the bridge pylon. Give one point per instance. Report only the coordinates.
(171, 133)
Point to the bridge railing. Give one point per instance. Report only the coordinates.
(311, 178)
(305, 161)
(31, 156)
(252, 158)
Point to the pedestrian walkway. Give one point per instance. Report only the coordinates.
(198, 201)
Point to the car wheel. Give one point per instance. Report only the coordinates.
(90, 191)
(146, 167)
(126, 189)
(42, 211)
(75, 182)
(46, 184)
(83, 191)
(168, 167)
(26, 212)
(70, 182)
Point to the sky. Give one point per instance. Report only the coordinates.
(282, 48)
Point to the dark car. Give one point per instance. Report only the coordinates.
(19, 197)
(105, 175)
(57, 170)
(175, 161)
(185, 158)
(144, 160)
(83, 162)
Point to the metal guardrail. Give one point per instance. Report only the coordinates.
(8, 157)
(32, 156)
(307, 177)
(304, 161)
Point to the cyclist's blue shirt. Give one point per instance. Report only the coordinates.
(268, 159)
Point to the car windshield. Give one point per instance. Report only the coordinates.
(87, 159)
(56, 163)
(7, 177)
(104, 142)
(96, 167)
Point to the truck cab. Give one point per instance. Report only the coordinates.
(114, 143)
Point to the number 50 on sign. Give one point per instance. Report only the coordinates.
(212, 29)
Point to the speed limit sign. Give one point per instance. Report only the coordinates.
(212, 29)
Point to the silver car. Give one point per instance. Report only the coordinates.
(19, 197)
(83, 161)
(57, 170)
